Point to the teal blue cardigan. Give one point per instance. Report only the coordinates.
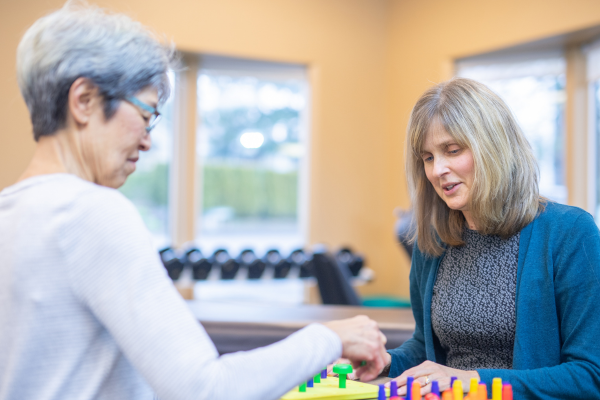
(557, 339)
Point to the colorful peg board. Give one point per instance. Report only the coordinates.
(329, 389)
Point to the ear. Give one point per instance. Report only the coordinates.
(83, 101)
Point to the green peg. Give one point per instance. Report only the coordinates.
(342, 370)
(363, 363)
(302, 387)
(317, 378)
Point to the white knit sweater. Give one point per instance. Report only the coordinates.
(88, 312)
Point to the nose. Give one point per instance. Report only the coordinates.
(440, 166)
(146, 142)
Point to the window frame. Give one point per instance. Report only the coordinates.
(185, 190)
(579, 124)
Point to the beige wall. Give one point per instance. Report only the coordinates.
(343, 42)
(369, 60)
(426, 35)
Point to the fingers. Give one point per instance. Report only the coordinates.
(338, 361)
(424, 374)
(368, 372)
(373, 368)
(383, 338)
(362, 341)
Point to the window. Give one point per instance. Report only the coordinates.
(534, 89)
(593, 79)
(148, 186)
(252, 145)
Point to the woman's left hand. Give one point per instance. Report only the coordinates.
(435, 372)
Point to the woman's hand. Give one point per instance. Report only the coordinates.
(435, 372)
(352, 375)
(361, 341)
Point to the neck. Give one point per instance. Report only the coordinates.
(470, 221)
(58, 153)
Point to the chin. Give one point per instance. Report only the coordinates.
(456, 206)
(114, 182)
(120, 181)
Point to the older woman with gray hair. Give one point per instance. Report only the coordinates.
(86, 309)
(503, 282)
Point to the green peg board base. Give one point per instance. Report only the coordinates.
(329, 389)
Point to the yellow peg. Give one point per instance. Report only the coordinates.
(457, 389)
(473, 388)
(497, 389)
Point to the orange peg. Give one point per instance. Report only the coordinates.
(482, 392)
(416, 391)
(447, 395)
(431, 396)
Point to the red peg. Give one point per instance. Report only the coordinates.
(507, 393)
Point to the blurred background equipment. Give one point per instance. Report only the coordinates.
(333, 278)
(281, 266)
(172, 263)
(352, 261)
(228, 266)
(300, 260)
(254, 265)
(199, 265)
(405, 227)
(273, 277)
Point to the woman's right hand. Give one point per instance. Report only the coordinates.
(362, 341)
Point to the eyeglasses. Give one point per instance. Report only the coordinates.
(154, 114)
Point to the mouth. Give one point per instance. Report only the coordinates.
(451, 187)
(133, 160)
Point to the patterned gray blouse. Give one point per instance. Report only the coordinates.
(473, 306)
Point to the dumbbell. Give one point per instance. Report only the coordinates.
(301, 260)
(281, 266)
(229, 266)
(254, 265)
(198, 263)
(353, 261)
(172, 263)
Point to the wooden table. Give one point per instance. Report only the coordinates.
(242, 326)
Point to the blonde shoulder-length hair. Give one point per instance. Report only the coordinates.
(504, 197)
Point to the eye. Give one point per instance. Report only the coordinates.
(427, 158)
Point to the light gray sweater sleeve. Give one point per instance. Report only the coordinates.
(114, 270)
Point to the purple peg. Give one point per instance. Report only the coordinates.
(393, 389)
(409, 382)
(381, 394)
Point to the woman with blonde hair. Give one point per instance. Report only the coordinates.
(503, 282)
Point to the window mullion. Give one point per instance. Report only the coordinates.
(183, 180)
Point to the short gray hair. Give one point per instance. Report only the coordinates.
(120, 56)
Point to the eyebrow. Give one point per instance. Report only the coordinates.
(443, 145)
